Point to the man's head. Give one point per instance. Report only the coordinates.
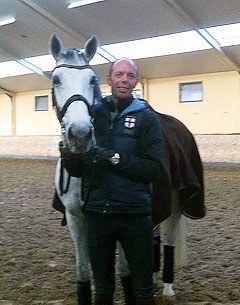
(122, 77)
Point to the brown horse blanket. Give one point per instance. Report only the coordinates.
(182, 171)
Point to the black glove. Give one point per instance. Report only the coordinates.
(98, 154)
(72, 162)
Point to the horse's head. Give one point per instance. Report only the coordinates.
(75, 90)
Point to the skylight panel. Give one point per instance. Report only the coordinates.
(7, 21)
(158, 46)
(47, 62)
(82, 3)
(44, 62)
(98, 60)
(12, 68)
(226, 35)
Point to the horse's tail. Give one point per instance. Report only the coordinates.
(180, 254)
(173, 231)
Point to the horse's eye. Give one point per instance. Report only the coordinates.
(93, 80)
(56, 80)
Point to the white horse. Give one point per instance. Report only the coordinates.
(75, 90)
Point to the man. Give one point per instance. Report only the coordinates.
(116, 188)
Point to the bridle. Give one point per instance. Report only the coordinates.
(62, 111)
(76, 97)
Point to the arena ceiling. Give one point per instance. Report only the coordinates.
(115, 21)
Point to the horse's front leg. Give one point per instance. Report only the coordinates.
(75, 225)
(71, 199)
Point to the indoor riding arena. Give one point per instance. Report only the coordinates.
(183, 58)
(37, 260)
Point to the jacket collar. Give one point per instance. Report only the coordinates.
(131, 105)
(136, 105)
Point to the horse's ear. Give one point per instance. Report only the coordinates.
(90, 47)
(55, 46)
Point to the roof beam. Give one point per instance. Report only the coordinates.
(4, 91)
(106, 54)
(33, 68)
(203, 32)
(65, 28)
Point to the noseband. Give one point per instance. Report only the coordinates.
(76, 97)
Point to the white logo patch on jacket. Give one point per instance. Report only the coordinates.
(130, 121)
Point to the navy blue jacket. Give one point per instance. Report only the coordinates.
(135, 133)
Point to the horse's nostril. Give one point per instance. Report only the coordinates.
(79, 137)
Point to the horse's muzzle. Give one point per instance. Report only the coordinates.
(80, 142)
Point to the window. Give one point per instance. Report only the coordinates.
(191, 92)
(41, 103)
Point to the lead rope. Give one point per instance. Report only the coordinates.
(94, 142)
(61, 181)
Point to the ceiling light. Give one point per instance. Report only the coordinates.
(7, 21)
(82, 2)
(12, 68)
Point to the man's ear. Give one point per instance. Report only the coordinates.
(109, 79)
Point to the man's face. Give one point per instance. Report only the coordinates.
(123, 79)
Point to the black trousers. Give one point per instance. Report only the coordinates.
(136, 237)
